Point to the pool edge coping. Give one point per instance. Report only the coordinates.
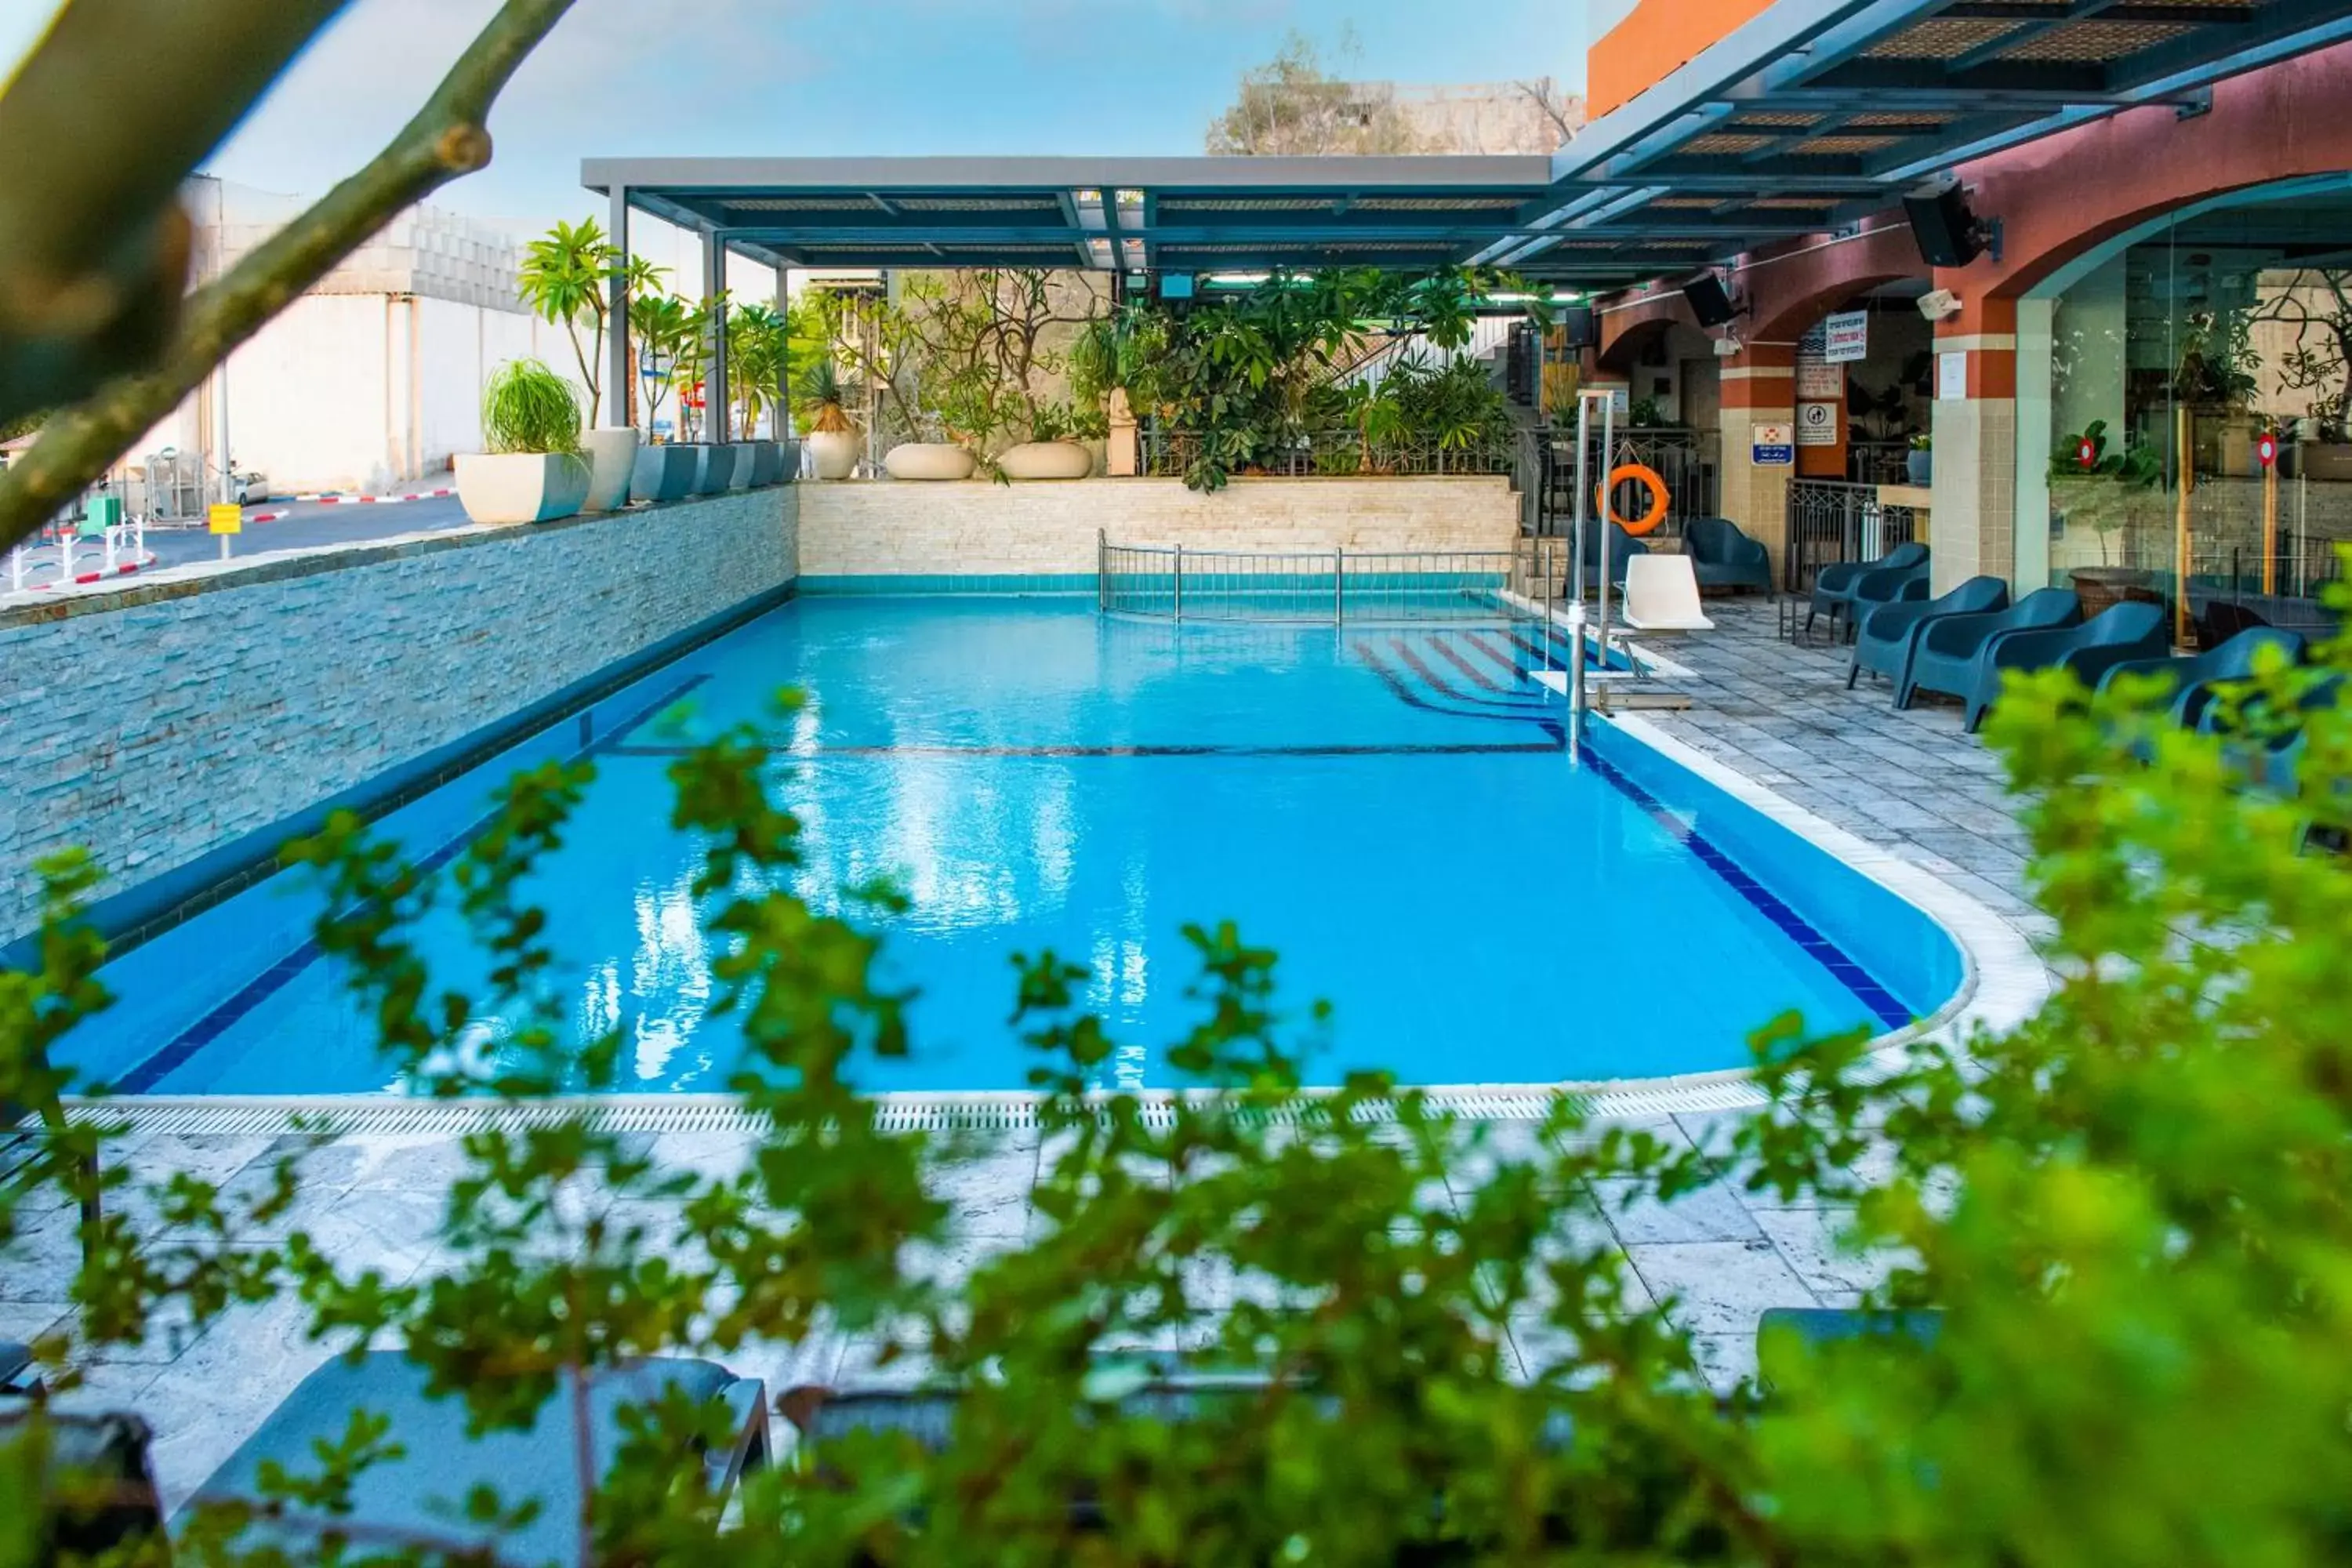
(2002, 982)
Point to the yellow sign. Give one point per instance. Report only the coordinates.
(226, 517)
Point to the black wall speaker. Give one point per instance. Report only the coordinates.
(1947, 232)
(1709, 300)
(1580, 327)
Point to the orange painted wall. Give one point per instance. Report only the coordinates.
(1648, 44)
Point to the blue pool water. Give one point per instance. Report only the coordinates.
(1393, 810)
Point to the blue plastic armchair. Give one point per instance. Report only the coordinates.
(444, 1459)
(1835, 585)
(1723, 557)
(1888, 633)
(2114, 635)
(2194, 679)
(1622, 547)
(1949, 653)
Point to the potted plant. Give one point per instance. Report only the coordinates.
(532, 469)
(563, 278)
(1920, 463)
(2106, 490)
(833, 439)
(1054, 449)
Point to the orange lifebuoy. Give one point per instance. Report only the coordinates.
(1660, 498)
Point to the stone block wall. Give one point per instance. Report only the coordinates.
(979, 529)
(157, 723)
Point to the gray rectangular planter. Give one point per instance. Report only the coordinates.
(714, 466)
(767, 463)
(663, 473)
(746, 459)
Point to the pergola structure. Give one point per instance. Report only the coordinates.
(1811, 115)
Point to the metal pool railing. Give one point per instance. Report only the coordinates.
(1335, 587)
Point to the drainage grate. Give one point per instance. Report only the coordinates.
(720, 1115)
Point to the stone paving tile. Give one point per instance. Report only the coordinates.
(1720, 1287)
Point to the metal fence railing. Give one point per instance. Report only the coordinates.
(1830, 521)
(1545, 476)
(1169, 454)
(1334, 586)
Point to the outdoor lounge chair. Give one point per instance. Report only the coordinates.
(1837, 587)
(1887, 635)
(2271, 760)
(414, 1497)
(1661, 595)
(1783, 1329)
(2193, 680)
(1622, 547)
(2120, 632)
(1723, 557)
(1954, 656)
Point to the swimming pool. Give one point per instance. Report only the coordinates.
(1393, 809)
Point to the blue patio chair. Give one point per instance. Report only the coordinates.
(1723, 557)
(1622, 547)
(1888, 633)
(1787, 1331)
(421, 1495)
(1948, 653)
(2117, 634)
(2270, 755)
(1836, 585)
(2194, 679)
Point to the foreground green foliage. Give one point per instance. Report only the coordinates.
(2131, 1210)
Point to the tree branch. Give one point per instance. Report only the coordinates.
(93, 245)
(447, 138)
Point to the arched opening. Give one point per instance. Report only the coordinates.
(2151, 364)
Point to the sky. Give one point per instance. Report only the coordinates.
(814, 77)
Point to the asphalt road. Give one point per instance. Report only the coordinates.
(307, 525)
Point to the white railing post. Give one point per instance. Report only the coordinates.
(65, 558)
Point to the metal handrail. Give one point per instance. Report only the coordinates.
(1337, 586)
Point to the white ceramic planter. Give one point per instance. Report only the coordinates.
(612, 453)
(1046, 460)
(521, 487)
(928, 460)
(664, 473)
(835, 452)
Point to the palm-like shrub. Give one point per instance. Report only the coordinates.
(527, 408)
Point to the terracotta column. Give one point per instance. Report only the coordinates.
(1973, 529)
(1760, 387)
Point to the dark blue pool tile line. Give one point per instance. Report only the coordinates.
(225, 1015)
(1794, 926)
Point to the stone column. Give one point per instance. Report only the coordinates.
(1122, 455)
(1760, 387)
(1973, 528)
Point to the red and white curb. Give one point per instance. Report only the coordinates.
(123, 569)
(333, 498)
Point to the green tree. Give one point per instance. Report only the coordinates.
(564, 276)
(98, 322)
(1293, 105)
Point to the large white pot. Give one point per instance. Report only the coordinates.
(612, 453)
(833, 452)
(928, 460)
(521, 487)
(1046, 460)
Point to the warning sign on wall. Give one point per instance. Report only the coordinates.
(1817, 424)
